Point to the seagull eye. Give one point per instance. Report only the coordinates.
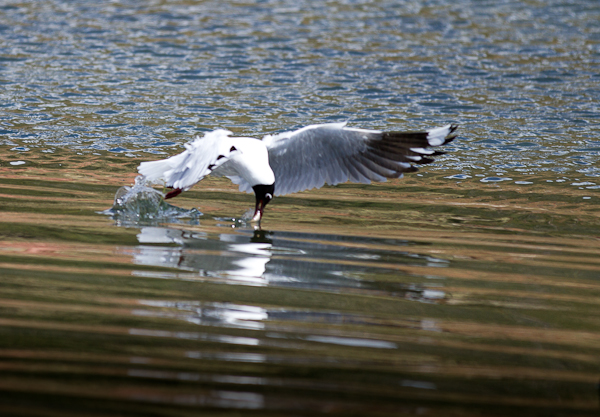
(268, 196)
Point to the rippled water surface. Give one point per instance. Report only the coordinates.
(469, 288)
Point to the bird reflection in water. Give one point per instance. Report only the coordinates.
(285, 259)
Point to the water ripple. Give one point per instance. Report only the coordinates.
(123, 76)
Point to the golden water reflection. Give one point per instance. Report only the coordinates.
(421, 296)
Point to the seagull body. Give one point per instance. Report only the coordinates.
(300, 160)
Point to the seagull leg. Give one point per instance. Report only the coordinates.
(173, 193)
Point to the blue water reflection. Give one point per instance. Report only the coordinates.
(124, 76)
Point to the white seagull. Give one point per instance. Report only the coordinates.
(300, 160)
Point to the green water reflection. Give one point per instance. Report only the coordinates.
(424, 295)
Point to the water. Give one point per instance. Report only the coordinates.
(469, 288)
(132, 78)
(141, 204)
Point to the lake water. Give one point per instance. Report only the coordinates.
(469, 288)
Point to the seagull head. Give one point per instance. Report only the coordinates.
(264, 194)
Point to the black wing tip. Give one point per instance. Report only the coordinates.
(424, 160)
(452, 134)
(395, 147)
(415, 136)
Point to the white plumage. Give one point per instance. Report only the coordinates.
(216, 153)
(303, 159)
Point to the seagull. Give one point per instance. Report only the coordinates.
(294, 161)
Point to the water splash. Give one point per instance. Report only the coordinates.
(244, 221)
(141, 204)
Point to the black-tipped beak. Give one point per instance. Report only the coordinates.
(258, 212)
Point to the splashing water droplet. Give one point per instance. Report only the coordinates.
(248, 215)
(141, 204)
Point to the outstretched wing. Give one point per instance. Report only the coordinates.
(333, 153)
(200, 158)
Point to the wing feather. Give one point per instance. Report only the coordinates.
(367, 168)
(333, 153)
(353, 174)
(379, 165)
(387, 162)
(200, 158)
